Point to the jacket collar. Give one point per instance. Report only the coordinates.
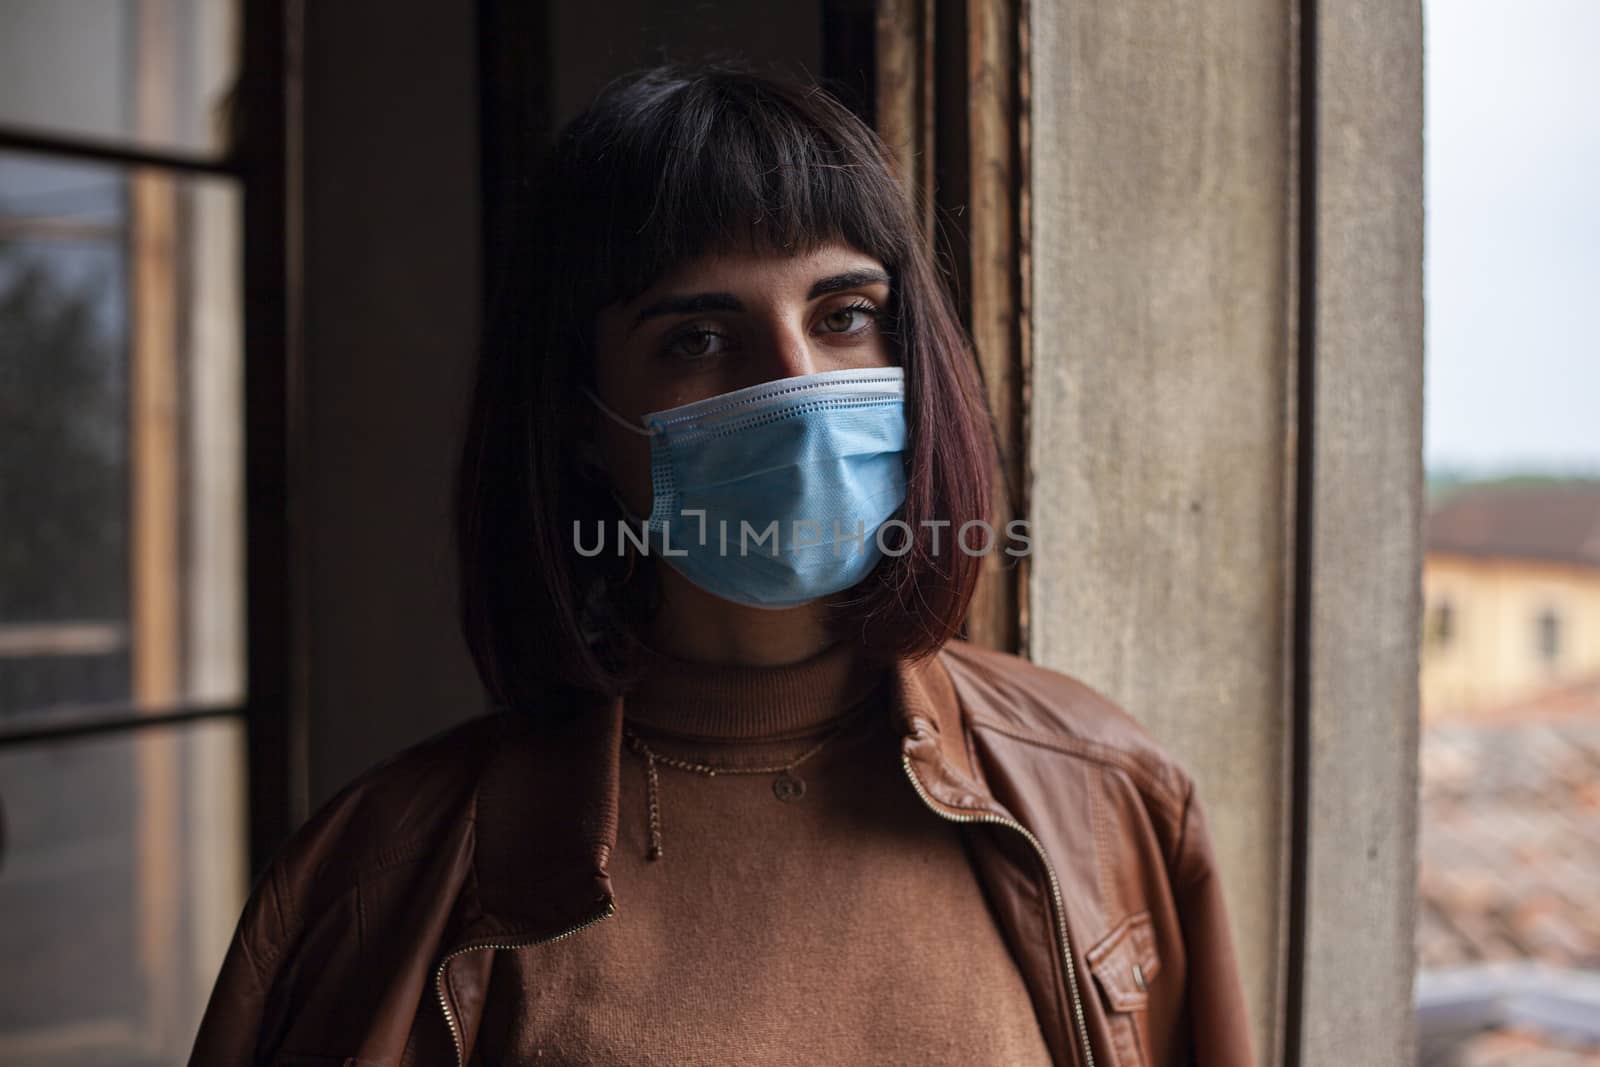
(546, 809)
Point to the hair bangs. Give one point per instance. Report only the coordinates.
(724, 163)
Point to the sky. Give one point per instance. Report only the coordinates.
(1512, 261)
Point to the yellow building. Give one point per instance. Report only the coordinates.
(1511, 587)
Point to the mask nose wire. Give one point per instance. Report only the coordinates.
(631, 427)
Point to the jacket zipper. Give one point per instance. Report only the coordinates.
(1055, 893)
(438, 979)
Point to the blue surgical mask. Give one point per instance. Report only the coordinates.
(773, 496)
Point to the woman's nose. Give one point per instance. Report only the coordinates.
(785, 351)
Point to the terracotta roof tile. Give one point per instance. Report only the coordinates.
(1510, 853)
(1521, 1048)
(1557, 522)
(1509, 865)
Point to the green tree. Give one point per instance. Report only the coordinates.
(63, 458)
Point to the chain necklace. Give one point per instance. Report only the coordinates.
(787, 787)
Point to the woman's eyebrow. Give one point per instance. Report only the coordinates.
(687, 305)
(850, 279)
(699, 302)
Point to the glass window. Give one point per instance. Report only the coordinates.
(120, 450)
(120, 882)
(149, 73)
(1547, 632)
(122, 833)
(1444, 623)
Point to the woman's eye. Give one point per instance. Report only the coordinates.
(694, 343)
(841, 320)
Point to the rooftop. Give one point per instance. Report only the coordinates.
(1548, 521)
(1509, 869)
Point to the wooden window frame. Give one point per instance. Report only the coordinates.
(259, 163)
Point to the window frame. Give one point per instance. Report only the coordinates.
(1548, 636)
(257, 162)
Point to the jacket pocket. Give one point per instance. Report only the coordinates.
(1124, 963)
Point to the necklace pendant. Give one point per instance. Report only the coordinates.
(788, 786)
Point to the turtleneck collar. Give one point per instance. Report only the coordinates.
(736, 702)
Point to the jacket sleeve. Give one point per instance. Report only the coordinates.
(1218, 1013)
(238, 1014)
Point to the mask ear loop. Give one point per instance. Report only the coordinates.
(631, 427)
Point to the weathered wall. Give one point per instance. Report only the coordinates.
(1493, 655)
(391, 312)
(1162, 364)
(1167, 421)
(1366, 507)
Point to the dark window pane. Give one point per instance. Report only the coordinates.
(121, 878)
(150, 74)
(1549, 636)
(119, 437)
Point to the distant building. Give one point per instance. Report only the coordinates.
(1511, 589)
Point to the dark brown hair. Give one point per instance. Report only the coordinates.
(667, 164)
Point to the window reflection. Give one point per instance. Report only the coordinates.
(120, 447)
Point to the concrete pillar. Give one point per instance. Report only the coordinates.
(1171, 500)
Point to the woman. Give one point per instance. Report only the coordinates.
(744, 799)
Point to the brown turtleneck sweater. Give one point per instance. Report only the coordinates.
(842, 926)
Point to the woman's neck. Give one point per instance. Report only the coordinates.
(695, 625)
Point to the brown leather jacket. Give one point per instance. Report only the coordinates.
(369, 939)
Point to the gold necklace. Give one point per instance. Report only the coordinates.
(788, 786)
